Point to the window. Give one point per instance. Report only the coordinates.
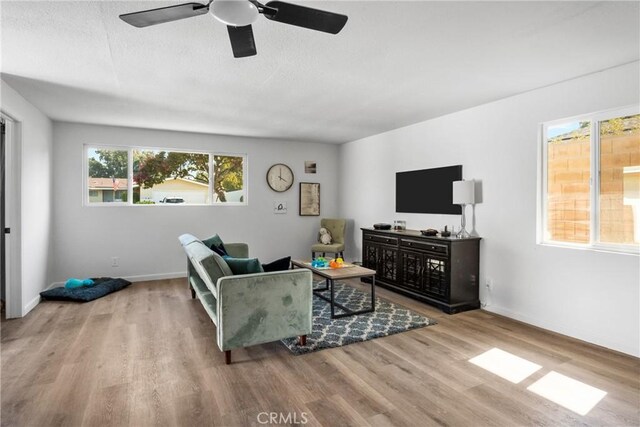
(591, 181)
(228, 183)
(163, 177)
(108, 175)
(170, 177)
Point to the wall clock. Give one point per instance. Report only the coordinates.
(280, 177)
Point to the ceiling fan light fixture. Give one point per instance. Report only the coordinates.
(237, 13)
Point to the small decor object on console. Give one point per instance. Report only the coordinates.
(429, 232)
(382, 226)
(324, 236)
(445, 232)
(399, 225)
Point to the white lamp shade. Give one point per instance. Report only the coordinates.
(237, 13)
(464, 192)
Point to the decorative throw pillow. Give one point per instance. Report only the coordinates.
(243, 265)
(215, 244)
(281, 264)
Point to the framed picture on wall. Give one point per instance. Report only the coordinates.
(309, 199)
(310, 166)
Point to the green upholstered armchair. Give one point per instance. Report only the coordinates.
(337, 229)
(248, 309)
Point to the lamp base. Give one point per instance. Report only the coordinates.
(463, 234)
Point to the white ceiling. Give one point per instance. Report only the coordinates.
(395, 63)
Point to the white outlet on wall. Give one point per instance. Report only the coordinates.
(115, 261)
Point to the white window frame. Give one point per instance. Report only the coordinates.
(130, 149)
(594, 218)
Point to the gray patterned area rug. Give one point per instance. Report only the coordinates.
(388, 319)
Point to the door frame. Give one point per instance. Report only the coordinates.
(13, 290)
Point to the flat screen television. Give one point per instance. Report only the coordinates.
(427, 190)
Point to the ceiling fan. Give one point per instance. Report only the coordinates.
(238, 15)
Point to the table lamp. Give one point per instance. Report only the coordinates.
(463, 194)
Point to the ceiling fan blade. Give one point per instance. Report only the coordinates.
(305, 17)
(161, 15)
(242, 41)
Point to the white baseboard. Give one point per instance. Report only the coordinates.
(576, 333)
(30, 306)
(511, 314)
(159, 276)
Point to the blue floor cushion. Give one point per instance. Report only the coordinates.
(103, 286)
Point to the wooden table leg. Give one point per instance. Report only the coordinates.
(302, 340)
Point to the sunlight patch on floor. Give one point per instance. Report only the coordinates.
(572, 394)
(505, 365)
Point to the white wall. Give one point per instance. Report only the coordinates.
(593, 296)
(33, 159)
(145, 238)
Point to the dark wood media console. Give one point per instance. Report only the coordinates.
(440, 271)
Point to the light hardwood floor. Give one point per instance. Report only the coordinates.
(147, 356)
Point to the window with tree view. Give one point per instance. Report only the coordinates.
(170, 177)
(165, 177)
(228, 179)
(108, 175)
(592, 181)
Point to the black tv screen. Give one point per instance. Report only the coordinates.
(427, 190)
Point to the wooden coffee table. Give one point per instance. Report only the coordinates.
(331, 275)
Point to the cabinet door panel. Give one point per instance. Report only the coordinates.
(387, 263)
(435, 278)
(370, 256)
(411, 267)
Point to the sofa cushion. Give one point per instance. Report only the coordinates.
(215, 244)
(244, 265)
(281, 264)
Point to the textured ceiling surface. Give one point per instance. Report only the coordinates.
(394, 64)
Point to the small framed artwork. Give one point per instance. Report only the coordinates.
(279, 207)
(309, 199)
(310, 166)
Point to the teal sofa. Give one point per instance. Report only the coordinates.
(248, 309)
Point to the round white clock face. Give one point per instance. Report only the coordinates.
(280, 177)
